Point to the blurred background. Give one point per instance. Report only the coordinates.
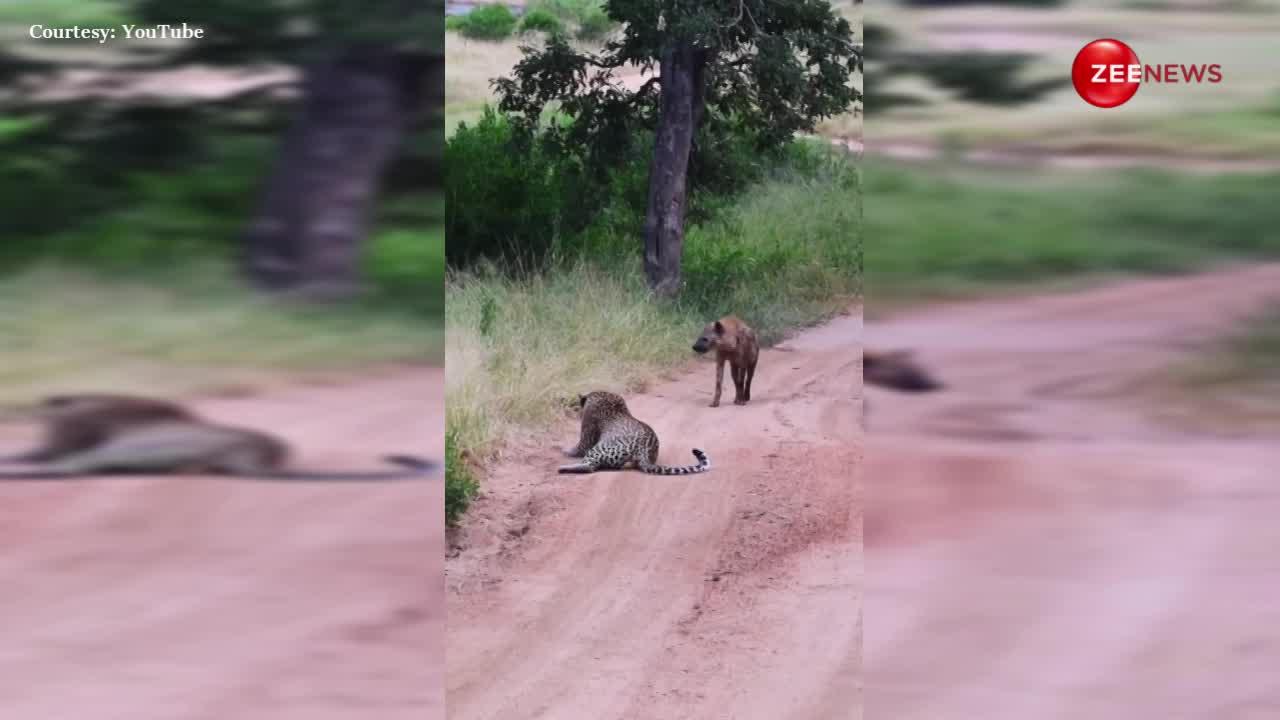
(1077, 524)
(250, 222)
(265, 199)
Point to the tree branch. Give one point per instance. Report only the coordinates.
(648, 85)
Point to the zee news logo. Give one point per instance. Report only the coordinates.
(1106, 73)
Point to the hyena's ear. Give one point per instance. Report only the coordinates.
(719, 328)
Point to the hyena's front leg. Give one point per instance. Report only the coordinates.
(715, 398)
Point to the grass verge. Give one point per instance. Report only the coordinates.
(1249, 132)
(946, 230)
(460, 480)
(68, 328)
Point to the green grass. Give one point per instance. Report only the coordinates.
(786, 253)
(197, 331)
(571, 10)
(1249, 132)
(460, 484)
(64, 13)
(942, 230)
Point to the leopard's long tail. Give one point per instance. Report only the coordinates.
(704, 464)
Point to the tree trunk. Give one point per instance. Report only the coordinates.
(682, 102)
(315, 212)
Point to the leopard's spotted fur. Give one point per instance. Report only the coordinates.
(612, 439)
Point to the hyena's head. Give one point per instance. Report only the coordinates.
(712, 337)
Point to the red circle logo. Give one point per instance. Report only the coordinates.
(1105, 73)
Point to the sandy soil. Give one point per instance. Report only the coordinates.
(189, 598)
(735, 594)
(1040, 546)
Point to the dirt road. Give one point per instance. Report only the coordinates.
(194, 599)
(734, 594)
(1040, 545)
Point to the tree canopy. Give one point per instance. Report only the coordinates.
(764, 69)
(772, 68)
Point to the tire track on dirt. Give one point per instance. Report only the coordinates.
(733, 594)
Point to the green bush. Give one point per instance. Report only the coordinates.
(525, 208)
(499, 202)
(61, 205)
(541, 21)
(489, 22)
(526, 203)
(944, 229)
(456, 23)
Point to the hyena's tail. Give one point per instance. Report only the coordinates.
(704, 464)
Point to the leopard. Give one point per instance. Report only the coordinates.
(613, 439)
(90, 434)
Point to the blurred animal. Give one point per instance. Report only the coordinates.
(736, 343)
(613, 439)
(896, 370)
(99, 433)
